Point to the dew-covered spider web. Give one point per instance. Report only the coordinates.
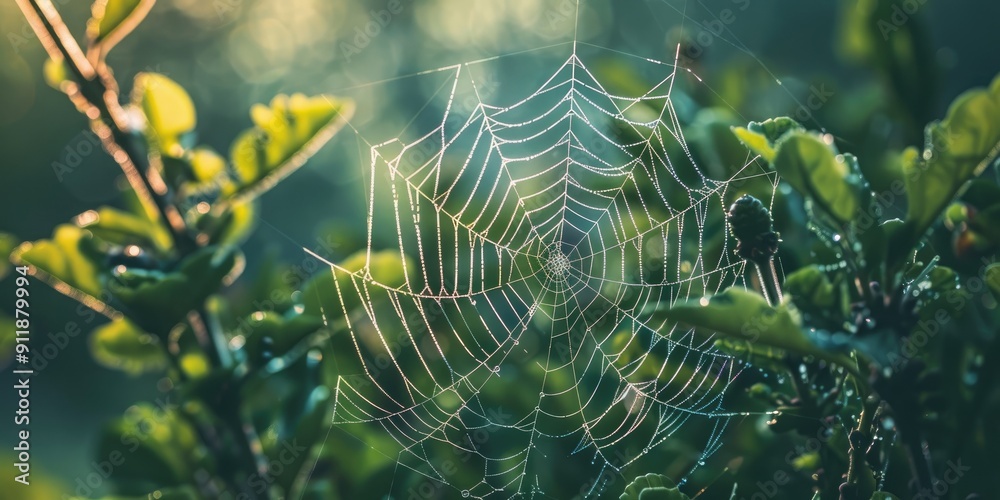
(503, 321)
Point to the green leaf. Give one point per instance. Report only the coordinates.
(285, 135)
(157, 449)
(230, 227)
(745, 315)
(122, 228)
(7, 244)
(70, 263)
(322, 293)
(809, 287)
(760, 137)
(168, 109)
(652, 487)
(957, 149)
(810, 165)
(55, 73)
(755, 142)
(199, 169)
(158, 300)
(775, 128)
(112, 20)
(121, 344)
(272, 335)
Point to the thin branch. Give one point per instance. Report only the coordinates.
(95, 94)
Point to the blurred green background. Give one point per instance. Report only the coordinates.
(230, 54)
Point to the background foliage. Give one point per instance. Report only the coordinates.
(875, 89)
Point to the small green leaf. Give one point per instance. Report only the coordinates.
(70, 263)
(158, 300)
(112, 20)
(810, 165)
(285, 135)
(775, 128)
(270, 335)
(745, 315)
(122, 228)
(121, 344)
(55, 73)
(760, 137)
(168, 109)
(230, 227)
(199, 169)
(652, 487)
(755, 142)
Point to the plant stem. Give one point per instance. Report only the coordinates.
(94, 92)
(772, 285)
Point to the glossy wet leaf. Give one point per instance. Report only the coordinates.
(122, 345)
(813, 168)
(285, 134)
(744, 315)
(652, 487)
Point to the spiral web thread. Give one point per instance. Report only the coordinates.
(534, 240)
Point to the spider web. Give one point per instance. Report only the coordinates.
(534, 239)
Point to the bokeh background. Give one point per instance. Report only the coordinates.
(230, 54)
